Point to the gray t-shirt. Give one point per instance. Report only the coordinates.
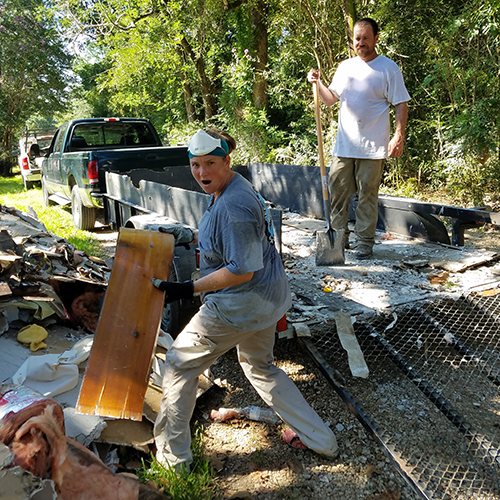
(232, 234)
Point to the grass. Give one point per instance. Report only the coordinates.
(56, 219)
(184, 485)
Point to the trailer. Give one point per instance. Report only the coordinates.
(145, 199)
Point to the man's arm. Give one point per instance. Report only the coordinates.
(326, 95)
(396, 144)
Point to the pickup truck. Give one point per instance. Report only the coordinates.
(32, 148)
(73, 170)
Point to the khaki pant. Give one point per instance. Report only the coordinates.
(348, 175)
(201, 342)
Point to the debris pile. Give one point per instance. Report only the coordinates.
(44, 278)
(36, 437)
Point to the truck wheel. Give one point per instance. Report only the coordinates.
(83, 217)
(170, 315)
(45, 193)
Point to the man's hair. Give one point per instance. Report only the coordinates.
(368, 21)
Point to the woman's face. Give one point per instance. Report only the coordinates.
(212, 173)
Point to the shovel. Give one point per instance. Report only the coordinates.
(329, 243)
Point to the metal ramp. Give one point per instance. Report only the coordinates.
(432, 399)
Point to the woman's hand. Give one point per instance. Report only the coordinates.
(174, 291)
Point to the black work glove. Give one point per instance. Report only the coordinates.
(183, 235)
(174, 291)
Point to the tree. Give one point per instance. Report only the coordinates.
(33, 69)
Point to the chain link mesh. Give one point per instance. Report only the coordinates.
(433, 390)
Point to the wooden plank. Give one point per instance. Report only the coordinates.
(117, 373)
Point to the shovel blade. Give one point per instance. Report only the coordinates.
(330, 248)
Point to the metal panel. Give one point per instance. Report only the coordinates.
(117, 374)
(178, 204)
(292, 187)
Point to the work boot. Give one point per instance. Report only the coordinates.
(363, 251)
(347, 245)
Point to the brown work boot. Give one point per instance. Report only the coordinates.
(363, 251)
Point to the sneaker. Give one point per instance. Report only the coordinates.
(363, 252)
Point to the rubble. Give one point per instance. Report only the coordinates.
(402, 270)
(51, 297)
(35, 435)
(42, 276)
(41, 287)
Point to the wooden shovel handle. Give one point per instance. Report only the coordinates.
(324, 180)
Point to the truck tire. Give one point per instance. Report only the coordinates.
(83, 217)
(45, 193)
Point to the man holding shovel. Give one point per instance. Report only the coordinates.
(366, 86)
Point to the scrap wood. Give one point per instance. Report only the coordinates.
(490, 292)
(32, 221)
(7, 244)
(345, 332)
(5, 290)
(9, 263)
(439, 278)
(132, 433)
(117, 374)
(388, 236)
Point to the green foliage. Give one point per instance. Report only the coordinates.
(195, 64)
(56, 219)
(471, 183)
(33, 67)
(453, 128)
(96, 99)
(184, 485)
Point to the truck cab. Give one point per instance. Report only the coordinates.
(83, 150)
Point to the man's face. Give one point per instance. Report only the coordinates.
(364, 42)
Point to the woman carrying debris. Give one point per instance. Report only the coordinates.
(244, 292)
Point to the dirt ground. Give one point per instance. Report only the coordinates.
(251, 458)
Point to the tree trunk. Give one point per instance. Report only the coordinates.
(206, 86)
(350, 18)
(6, 161)
(259, 15)
(187, 92)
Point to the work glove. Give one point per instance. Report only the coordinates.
(174, 291)
(183, 235)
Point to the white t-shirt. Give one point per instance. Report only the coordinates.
(365, 91)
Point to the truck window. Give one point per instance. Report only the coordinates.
(87, 135)
(112, 134)
(139, 134)
(58, 140)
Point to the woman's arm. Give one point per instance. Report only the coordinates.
(222, 278)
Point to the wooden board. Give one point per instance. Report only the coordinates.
(117, 373)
